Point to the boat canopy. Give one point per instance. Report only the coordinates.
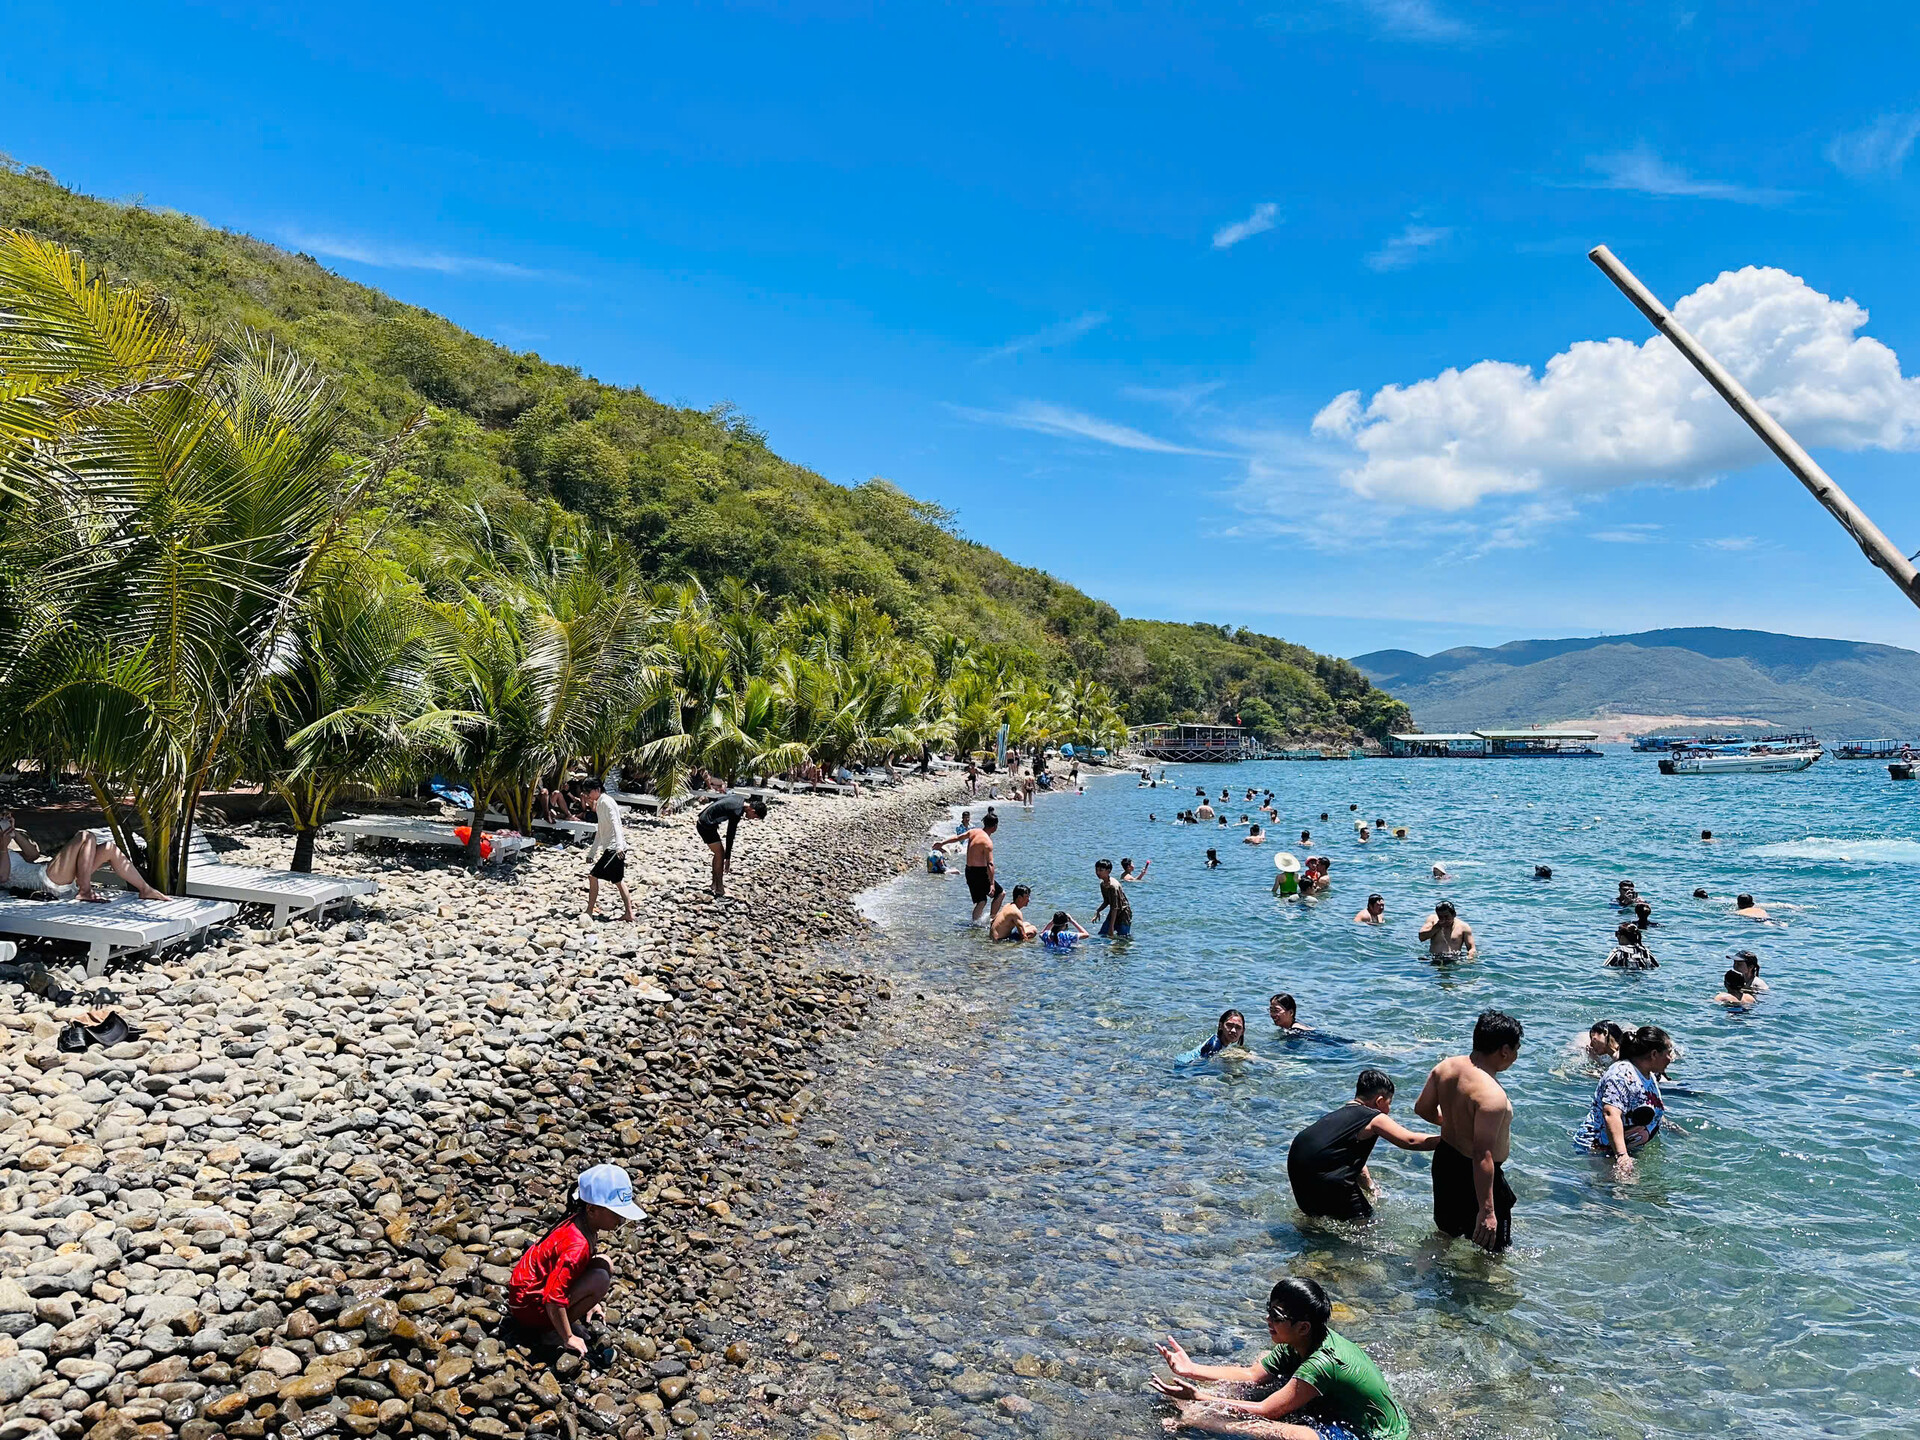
(1437, 737)
(1538, 734)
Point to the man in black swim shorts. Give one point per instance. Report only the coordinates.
(1471, 1197)
(727, 810)
(979, 843)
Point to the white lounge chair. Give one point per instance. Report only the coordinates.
(288, 891)
(577, 829)
(409, 831)
(122, 926)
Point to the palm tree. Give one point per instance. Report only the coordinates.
(352, 704)
(171, 507)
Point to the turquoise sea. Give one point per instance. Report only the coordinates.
(1060, 1189)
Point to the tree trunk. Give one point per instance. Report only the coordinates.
(476, 827)
(303, 850)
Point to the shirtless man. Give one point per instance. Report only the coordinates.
(1374, 914)
(1448, 937)
(1011, 922)
(1471, 1197)
(979, 843)
(68, 873)
(1745, 908)
(1203, 812)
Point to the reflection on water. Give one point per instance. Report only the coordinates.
(1039, 1192)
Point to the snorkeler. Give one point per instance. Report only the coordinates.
(1543, 872)
(1627, 897)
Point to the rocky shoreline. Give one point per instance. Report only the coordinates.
(289, 1207)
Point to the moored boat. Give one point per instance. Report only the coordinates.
(1882, 749)
(1757, 760)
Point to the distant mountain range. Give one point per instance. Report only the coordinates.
(1657, 680)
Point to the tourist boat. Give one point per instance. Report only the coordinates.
(1645, 743)
(1873, 750)
(1747, 760)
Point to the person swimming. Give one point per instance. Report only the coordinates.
(1229, 1033)
(1627, 897)
(1375, 913)
(1213, 859)
(1255, 836)
(1745, 907)
(1543, 872)
(1285, 1014)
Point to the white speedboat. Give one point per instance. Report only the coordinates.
(1758, 761)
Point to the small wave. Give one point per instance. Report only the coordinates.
(1847, 852)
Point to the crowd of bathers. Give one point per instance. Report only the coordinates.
(1313, 1377)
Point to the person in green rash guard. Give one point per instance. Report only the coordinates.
(1328, 1388)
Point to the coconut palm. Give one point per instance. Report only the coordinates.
(171, 506)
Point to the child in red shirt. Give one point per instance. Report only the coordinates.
(560, 1281)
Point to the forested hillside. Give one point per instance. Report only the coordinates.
(697, 493)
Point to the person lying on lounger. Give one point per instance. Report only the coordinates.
(67, 873)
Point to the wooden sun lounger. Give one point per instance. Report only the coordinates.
(120, 927)
(418, 832)
(288, 891)
(579, 829)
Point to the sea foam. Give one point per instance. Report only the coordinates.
(1862, 851)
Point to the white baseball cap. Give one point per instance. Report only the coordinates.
(608, 1187)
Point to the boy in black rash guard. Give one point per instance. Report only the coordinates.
(1327, 1162)
(727, 810)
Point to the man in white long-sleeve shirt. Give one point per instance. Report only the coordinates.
(609, 854)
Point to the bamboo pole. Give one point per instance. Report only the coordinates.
(1868, 536)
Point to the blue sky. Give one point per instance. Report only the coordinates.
(1098, 277)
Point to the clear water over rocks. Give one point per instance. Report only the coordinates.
(1031, 1192)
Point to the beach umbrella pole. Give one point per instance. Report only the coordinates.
(1867, 535)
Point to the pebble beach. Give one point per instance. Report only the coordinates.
(291, 1205)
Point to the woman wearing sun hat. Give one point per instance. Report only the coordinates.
(560, 1282)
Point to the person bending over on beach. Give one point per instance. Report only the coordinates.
(1471, 1197)
(1063, 933)
(1113, 900)
(979, 843)
(559, 1284)
(609, 854)
(69, 871)
(1375, 913)
(1745, 908)
(1629, 950)
(1737, 991)
(1329, 1389)
(1448, 937)
(1627, 1108)
(1231, 1031)
(1010, 921)
(1327, 1162)
(728, 810)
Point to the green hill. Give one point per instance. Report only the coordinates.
(1837, 688)
(698, 492)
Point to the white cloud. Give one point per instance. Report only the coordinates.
(1044, 418)
(1637, 534)
(1049, 337)
(1879, 149)
(1731, 542)
(1643, 171)
(1178, 398)
(1406, 247)
(392, 257)
(1414, 20)
(1611, 413)
(1264, 217)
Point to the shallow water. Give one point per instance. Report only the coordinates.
(1042, 1184)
